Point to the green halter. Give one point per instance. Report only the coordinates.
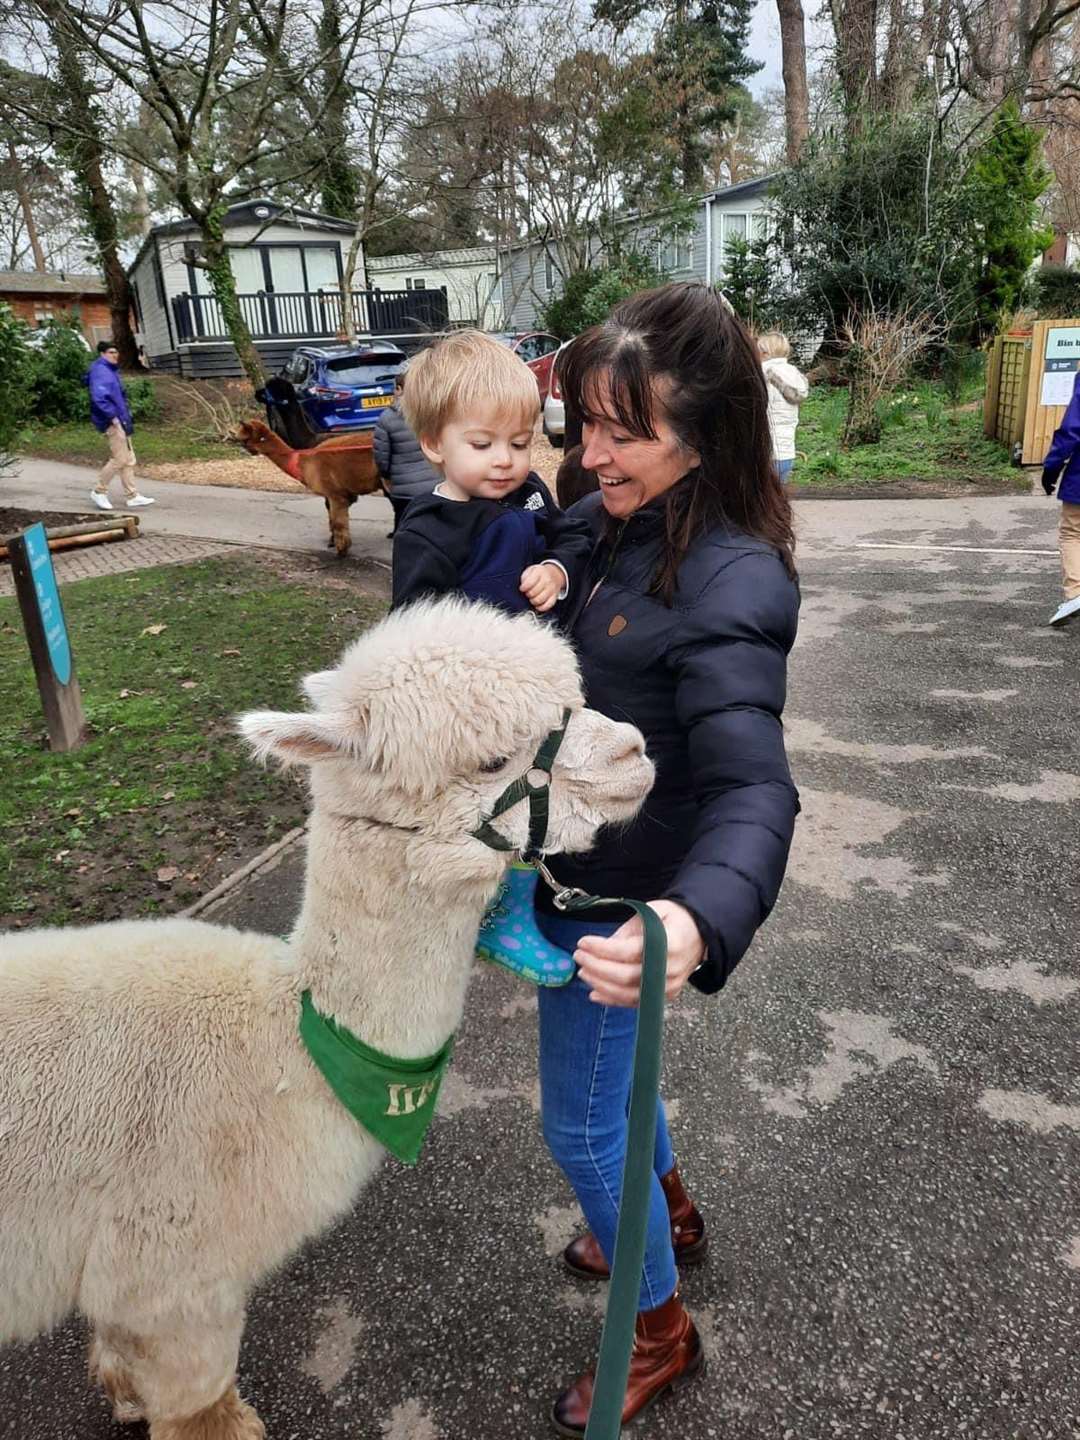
(534, 786)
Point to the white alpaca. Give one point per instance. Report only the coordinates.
(165, 1139)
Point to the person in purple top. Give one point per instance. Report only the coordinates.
(1061, 471)
(110, 414)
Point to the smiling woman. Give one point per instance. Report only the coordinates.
(683, 627)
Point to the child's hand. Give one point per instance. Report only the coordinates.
(542, 585)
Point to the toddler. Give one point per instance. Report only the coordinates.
(490, 529)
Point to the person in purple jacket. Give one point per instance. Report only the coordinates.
(1062, 464)
(111, 416)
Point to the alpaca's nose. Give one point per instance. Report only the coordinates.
(630, 745)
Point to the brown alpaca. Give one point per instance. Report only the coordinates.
(338, 469)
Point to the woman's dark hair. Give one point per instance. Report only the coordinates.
(684, 338)
(572, 481)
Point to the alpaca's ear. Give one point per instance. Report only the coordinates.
(319, 687)
(303, 739)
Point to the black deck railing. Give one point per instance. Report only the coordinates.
(313, 314)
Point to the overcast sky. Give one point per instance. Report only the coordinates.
(765, 43)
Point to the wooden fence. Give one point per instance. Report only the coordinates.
(1029, 379)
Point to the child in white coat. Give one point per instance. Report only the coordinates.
(788, 387)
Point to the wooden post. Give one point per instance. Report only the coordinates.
(993, 387)
(46, 635)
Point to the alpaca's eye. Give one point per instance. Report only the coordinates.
(489, 767)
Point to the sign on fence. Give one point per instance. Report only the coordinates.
(47, 637)
(1059, 365)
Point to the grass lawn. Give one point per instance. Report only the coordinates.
(77, 442)
(924, 437)
(163, 801)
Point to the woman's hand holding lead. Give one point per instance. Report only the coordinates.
(610, 965)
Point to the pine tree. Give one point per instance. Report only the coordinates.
(699, 62)
(1007, 178)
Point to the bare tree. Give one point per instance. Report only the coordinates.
(63, 103)
(22, 193)
(223, 79)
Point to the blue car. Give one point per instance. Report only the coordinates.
(327, 389)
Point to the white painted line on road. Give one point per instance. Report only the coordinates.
(957, 549)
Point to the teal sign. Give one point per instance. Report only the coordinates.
(48, 601)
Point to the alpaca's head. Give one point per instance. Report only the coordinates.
(254, 436)
(434, 712)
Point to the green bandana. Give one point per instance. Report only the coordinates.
(394, 1100)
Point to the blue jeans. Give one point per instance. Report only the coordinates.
(784, 469)
(586, 1063)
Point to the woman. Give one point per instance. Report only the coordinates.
(788, 388)
(690, 615)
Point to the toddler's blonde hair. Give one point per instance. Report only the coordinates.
(466, 369)
(774, 345)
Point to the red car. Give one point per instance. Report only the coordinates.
(537, 349)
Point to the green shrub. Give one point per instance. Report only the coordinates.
(1056, 291)
(14, 364)
(589, 296)
(750, 283)
(562, 316)
(57, 392)
(142, 399)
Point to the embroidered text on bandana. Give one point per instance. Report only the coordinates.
(394, 1100)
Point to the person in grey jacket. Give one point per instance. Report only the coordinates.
(402, 464)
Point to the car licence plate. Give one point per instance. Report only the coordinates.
(370, 401)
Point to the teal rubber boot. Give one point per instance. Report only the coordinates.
(509, 937)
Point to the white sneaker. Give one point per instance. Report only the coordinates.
(101, 501)
(137, 500)
(1066, 611)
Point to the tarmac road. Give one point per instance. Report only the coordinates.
(880, 1116)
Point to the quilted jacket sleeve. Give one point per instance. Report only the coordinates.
(420, 569)
(730, 675)
(382, 445)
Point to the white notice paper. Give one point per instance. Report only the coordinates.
(1057, 387)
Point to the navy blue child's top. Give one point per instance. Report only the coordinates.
(479, 548)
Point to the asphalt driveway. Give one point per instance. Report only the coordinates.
(880, 1116)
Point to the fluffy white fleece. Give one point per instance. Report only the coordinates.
(165, 1140)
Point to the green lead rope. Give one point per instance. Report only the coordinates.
(617, 1341)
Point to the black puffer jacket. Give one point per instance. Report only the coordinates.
(705, 682)
(402, 464)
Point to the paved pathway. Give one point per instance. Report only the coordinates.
(279, 520)
(116, 556)
(880, 1115)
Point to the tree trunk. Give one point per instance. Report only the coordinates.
(339, 187)
(348, 318)
(141, 207)
(862, 423)
(27, 208)
(84, 154)
(222, 282)
(855, 27)
(796, 94)
(901, 69)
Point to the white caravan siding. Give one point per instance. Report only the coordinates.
(469, 277)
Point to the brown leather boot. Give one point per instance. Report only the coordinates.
(584, 1258)
(667, 1354)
